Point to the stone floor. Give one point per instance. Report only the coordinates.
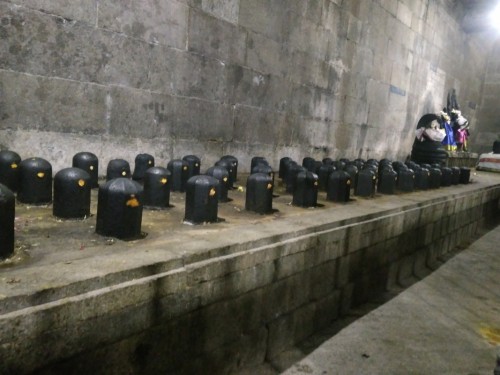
(447, 323)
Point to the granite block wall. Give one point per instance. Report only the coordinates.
(246, 77)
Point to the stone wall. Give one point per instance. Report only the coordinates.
(237, 306)
(488, 129)
(246, 77)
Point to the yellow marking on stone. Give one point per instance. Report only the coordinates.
(196, 165)
(13, 166)
(348, 182)
(91, 168)
(81, 183)
(269, 186)
(491, 334)
(150, 162)
(185, 168)
(124, 173)
(212, 192)
(40, 174)
(224, 179)
(315, 183)
(163, 180)
(133, 202)
(374, 177)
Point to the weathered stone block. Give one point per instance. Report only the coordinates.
(266, 55)
(212, 37)
(140, 113)
(227, 10)
(265, 17)
(51, 46)
(256, 125)
(162, 22)
(187, 74)
(74, 107)
(251, 88)
(206, 121)
(322, 281)
(85, 10)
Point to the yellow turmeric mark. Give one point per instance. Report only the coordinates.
(212, 192)
(491, 334)
(40, 175)
(81, 183)
(133, 202)
(269, 186)
(13, 166)
(163, 180)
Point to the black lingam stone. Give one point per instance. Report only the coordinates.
(233, 175)
(305, 193)
(222, 175)
(455, 178)
(353, 171)
(309, 163)
(323, 176)
(72, 188)
(283, 162)
(327, 161)
(446, 176)
(90, 164)
(339, 186)
(7, 217)
(259, 194)
(422, 179)
(35, 184)
(258, 160)
(406, 180)
(194, 164)
(435, 178)
(156, 188)
(291, 177)
(387, 181)
(117, 168)
(202, 200)
(179, 170)
(285, 168)
(464, 175)
(142, 163)
(9, 169)
(227, 164)
(119, 209)
(367, 182)
(264, 168)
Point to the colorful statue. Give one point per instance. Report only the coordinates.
(458, 122)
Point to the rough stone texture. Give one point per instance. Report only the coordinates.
(269, 77)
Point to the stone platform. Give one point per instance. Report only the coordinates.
(215, 298)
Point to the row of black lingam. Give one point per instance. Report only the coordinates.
(121, 198)
(365, 178)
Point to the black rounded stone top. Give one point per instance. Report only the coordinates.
(7, 156)
(72, 174)
(122, 185)
(37, 164)
(85, 156)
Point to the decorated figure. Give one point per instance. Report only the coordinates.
(461, 128)
(449, 139)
